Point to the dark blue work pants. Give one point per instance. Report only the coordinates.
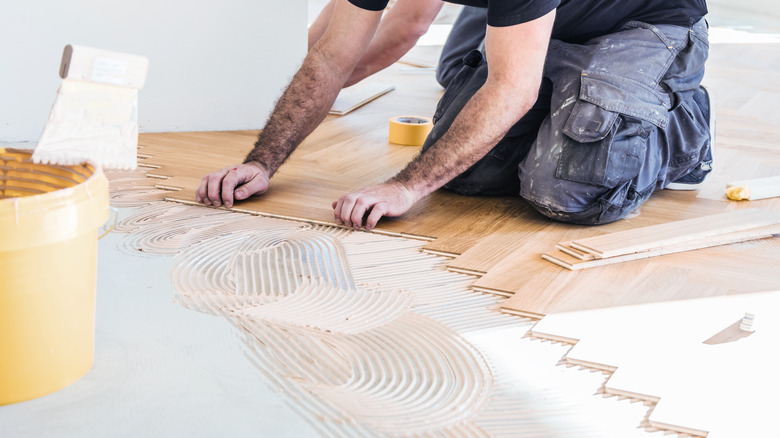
(615, 120)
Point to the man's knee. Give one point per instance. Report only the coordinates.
(584, 204)
(589, 166)
(588, 184)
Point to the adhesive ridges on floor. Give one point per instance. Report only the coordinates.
(365, 334)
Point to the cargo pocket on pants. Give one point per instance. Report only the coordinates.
(608, 130)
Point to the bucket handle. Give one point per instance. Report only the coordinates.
(108, 228)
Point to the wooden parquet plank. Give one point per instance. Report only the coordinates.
(501, 237)
(662, 207)
(675, 232)
(733, 269)
(492, 215)
(573, 262)
(539, 287)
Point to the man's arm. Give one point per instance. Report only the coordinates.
(398, 32)
(320, 23)
(516, 57)
(301, 108)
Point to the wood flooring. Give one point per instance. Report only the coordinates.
(502, 239)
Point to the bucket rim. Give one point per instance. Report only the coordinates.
(39, 219)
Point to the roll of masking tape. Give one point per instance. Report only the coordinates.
(410, 131)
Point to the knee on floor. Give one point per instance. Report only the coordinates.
(585, 204)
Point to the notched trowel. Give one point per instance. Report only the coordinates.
(95, 114)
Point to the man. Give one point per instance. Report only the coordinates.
(588, 107)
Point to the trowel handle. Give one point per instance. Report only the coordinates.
(96, 65)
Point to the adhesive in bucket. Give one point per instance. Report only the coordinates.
(49, 217)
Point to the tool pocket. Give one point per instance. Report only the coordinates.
(608, 129)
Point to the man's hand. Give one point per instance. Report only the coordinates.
(389, 199)
(233, 183)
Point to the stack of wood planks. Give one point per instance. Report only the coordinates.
(667, 238)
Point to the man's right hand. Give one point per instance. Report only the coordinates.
(233, 183)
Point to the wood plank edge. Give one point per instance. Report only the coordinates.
(384, 232)
(168, 188)
(466, 271)
(524, 314)
(589, 364)
(440, 253)
(553, 337)
(501, 293)
(676, 428)
(157, 175)
(290, 218)
(552, 259)
(363, 102)
(693, 245)
(595, 253)
(753, 223)
(566, 248)
(411, 236)
(630, 394)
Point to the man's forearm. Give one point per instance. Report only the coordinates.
(516, 57)
(301, 108)
(318, 26)
(477, 129)
(315, 86)
(482, 122)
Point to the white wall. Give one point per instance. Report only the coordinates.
(762, 7)
(214, 65)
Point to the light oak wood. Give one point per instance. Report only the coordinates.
(503, 238)
(566, 248)
(674, 233)
(541, 288)
(566, 260)
(354, 97)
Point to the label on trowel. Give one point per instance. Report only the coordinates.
(88, 64)
(109, 70)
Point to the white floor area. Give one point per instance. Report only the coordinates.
(163, 370)
(159, 370)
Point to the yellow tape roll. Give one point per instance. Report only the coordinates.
(410, 131)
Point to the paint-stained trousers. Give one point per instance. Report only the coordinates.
(616, 119)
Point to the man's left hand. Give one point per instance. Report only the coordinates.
(389, 199)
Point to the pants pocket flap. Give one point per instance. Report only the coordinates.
(625, 96)
(588, 123)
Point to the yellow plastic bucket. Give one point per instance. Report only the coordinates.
(49, 221)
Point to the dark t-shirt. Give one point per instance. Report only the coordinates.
(580, 20)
